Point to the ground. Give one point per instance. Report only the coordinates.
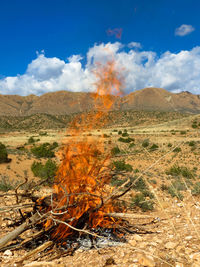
(174, 221)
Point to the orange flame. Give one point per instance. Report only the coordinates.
(81, 183)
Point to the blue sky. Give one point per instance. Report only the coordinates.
(63, 28)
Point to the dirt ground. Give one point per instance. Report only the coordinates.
(173, 225)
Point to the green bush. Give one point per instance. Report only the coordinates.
(126, 140)
(177, 149)
(175, 193)
(120, 165)
(145, 143)
(182, 132)
(131, 145)
(125, 134)
(169, 145)
(5, 184)
(31, 140)
(176, 170)
(194, 125)
(119, 132)
(3, 154)
(140, 201)
(115, 150)
(45, 150)
(196, 189)
(191, 143)
(153, 147)
(42, 133)
(46, 172)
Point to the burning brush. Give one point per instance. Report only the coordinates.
(83, 209)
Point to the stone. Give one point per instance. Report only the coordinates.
(133, 242)
(188, 237)
(146, 261)
(179, 264)
(170, 245)
(137, 237)
(7, 253)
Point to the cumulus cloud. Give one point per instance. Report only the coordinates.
(134, 45)
(175, 72)
(184, 29)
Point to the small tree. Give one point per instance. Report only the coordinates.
(3, 154)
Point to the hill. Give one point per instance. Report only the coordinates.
(65, 103)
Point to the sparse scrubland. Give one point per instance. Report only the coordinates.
(158, 152)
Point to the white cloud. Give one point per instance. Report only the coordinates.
(184, 29)
(134, 45)
(173, 71)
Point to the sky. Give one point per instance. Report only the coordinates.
(52, 45)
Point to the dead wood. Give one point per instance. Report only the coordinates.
(129, 215)
(35, 251)
(15, 233)
(13, 207)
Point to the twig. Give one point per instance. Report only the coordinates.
(76, 229)
(129, 216)
(35, 251)
(13, 207)
(12, 235)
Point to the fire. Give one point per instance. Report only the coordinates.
(82, 180)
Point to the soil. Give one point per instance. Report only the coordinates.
(174, 225)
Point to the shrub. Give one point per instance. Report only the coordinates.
(145, 143)
(177, 149)
(176, 170)
(131, 145)
(31, 140)
(164, 187)
(120, 165)
(126, 140)
(105, 135)
(153, 147)
(182, 132)
(169, 145)
(175, 193)
(46, 172)
(139, 185)
(194, 126)
(45, 150)
(140, 201)
(5, 184)
(196, 189)
(42, 133)
(191, 143)
(125, 134)
(115, 150)
(3, 154)
(119, 132)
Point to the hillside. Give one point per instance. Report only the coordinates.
(64, 102)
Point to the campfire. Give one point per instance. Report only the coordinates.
(82, 207)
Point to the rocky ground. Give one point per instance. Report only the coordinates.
(172, 237)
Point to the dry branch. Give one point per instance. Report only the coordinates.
(12, 235)
(129, 216)
(35, 251)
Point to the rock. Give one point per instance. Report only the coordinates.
(137, 237)
(146, 261)
(8, 253)
(179, 264)
(133, 242)
(42, 263)
(196, 257)
(170, 245)
(188, 237)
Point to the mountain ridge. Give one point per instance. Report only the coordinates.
(65, 102)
